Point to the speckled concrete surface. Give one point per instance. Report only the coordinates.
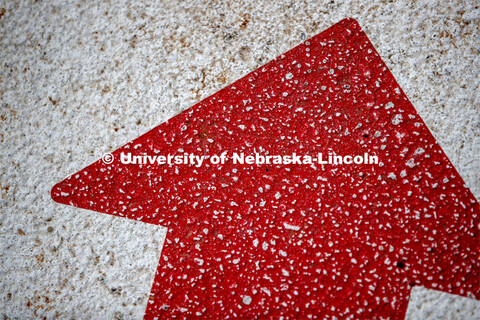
(79, 79)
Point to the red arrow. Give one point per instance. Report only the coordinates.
(298, 241)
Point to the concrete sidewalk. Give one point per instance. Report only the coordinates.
(78, 80)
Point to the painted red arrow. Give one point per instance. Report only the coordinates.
(298, 241)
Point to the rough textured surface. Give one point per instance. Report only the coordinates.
(297, 241)
(429, 304)
(79, 80)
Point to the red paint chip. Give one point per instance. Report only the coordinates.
(298, 241)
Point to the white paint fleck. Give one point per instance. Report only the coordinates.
(397, 120)
(291, 227)
(247, 300)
